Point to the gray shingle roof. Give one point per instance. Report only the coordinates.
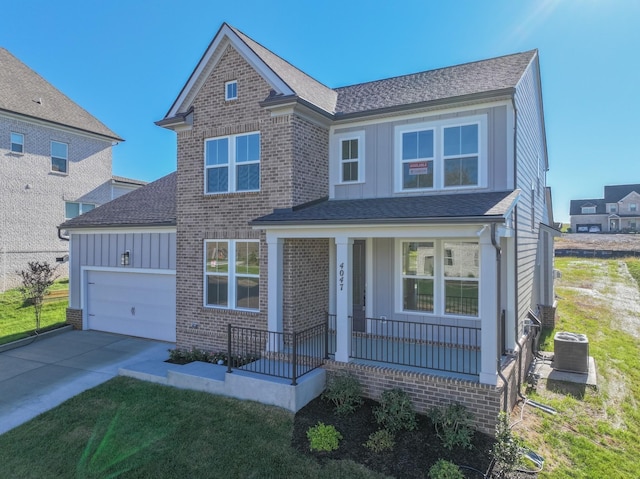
(575, 206)
(465, 207)
(613, 194)
(468, 79)
(151, 205)
(24, 92)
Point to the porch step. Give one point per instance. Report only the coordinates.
(199, 376)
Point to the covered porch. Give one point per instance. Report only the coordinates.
(428, 294)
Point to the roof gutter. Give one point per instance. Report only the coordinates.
(61, 236)
(378, 221)
(64, 125)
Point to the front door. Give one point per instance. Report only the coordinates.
(358, 287)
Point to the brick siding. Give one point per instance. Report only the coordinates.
(33, 197)
(286, 175)
(74, 318)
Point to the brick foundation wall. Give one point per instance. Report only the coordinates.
(518, 362)
(428, 391)
(74, 318)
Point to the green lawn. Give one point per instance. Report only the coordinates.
(595, 433)
(17, 319)
(132, 429)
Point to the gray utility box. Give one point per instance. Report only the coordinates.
(571, 352)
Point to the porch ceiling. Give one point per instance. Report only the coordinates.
(447, 208)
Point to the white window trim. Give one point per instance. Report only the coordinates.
(51, 157)
(226, 90)
(588, 210)
(339, 138)
(438, 161)
(232, 164)
(231, 275)
(438, 279)
(633, 207)
(11, 143)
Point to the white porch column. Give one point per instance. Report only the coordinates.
(488, 310)
(275, 255)
(344, 298)
(509, 280)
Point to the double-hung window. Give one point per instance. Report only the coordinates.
(417, 159)
(232, 274)
(460, 144)
(232, 163)
(633, 207)
(351, 154)
(439, 277)
(59, 156)
(17, 142)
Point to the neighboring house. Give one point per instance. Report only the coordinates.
(618, 211)
(412, 213)
(56, 164)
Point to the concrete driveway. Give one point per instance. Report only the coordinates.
(41, 375)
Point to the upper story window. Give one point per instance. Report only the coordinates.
(231, 90)
(232, 274)
(441, 155)
(232, 163)
(351, 154)
(633, 207)
(75, 208)
(613, 208)
(417, 159)
(17, 142)
(588, 210)
(461, 155)
(59, 156)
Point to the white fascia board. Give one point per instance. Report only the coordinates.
(120, 230)
(423, 114)
(369, 231)
(210, 59)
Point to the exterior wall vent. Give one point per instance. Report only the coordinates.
(571, 352)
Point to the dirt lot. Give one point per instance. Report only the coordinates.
(613, 242)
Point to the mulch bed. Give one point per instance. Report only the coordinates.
(414, 453)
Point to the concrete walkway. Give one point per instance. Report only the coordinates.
(41, 375)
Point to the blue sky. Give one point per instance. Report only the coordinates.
(125, 62)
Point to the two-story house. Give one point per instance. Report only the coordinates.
(409, 215)
(55, 159)
(618, 211)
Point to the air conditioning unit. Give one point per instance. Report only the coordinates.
(571, 352)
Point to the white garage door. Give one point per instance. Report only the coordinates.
(136, 304)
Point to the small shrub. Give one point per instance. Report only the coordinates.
(345, 392)
(395, 411)
(323, 438)
(184, 356)
(506, 451)
(381, 440)
(454, 425)
(445, 470)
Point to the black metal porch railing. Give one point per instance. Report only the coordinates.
(278, 354)
(438, 347)
(453, 305)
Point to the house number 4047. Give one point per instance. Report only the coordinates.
(341, 276)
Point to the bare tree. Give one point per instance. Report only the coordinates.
(36, 281)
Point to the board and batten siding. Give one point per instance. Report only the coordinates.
(531, 161)
(380, 162)
(147, 250)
